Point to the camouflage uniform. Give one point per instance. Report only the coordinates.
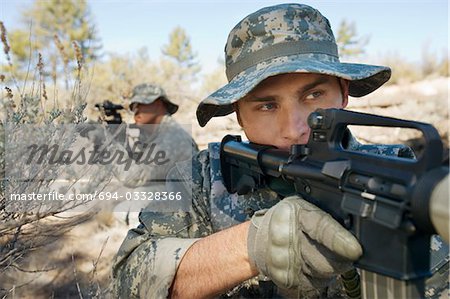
(287, 38)
(169, 137)
(145, 141)
(148, 258)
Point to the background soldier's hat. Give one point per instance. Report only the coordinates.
(286, 38)
(148, 93)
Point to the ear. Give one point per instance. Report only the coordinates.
(344, 91)
(238, 116)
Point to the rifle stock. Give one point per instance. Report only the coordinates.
(392, 205)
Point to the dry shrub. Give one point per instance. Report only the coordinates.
(31, 226)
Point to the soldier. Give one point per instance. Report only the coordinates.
(154, 126)
(155, 131)
(282, 64)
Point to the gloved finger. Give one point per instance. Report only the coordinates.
(321, 227)
(284, 248)
(318, 261)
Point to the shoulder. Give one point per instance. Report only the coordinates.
(202, 162)
(194, 171)
(177, 132)
(169, 124)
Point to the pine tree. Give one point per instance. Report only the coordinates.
(179, 66)
(179, 48)
(349, 44)
(51, 28)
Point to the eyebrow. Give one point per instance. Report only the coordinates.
(309, 86)
(318, 81)
(252, 99)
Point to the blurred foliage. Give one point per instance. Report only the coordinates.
(180, 48)
(352, 46)
(403, 71)
(176, 71)
(33, 112)
(51, 27)
(115, 78)
(432, 64)
(56, 24)
(214, 79)
(179, 66)
(349, 44)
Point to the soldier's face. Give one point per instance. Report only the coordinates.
(147, 113)
(275, 112)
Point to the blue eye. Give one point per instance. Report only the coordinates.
(267, 107)
(314, 95)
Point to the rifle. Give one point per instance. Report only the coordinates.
(110, 112)
(386, 202)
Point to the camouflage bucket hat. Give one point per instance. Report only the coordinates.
(286, 38)
(148, 93)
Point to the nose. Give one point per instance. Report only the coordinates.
(294, 127)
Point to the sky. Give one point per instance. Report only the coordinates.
(402, 27)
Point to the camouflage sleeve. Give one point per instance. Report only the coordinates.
(148, 258)
(438, 285)
(145, 266)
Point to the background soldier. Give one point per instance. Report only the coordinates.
(154, 126)
(155, 130)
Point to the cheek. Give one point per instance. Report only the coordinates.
(261, 130)
(261, 136)
(337, 100)
(141, 117)
(334, 101)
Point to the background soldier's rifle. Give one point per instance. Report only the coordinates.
(109, 120)
(110, 112)
(392, 205)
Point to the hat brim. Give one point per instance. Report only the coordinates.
(363, 79)
(171, 107)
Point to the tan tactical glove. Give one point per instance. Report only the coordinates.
(296, 244)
